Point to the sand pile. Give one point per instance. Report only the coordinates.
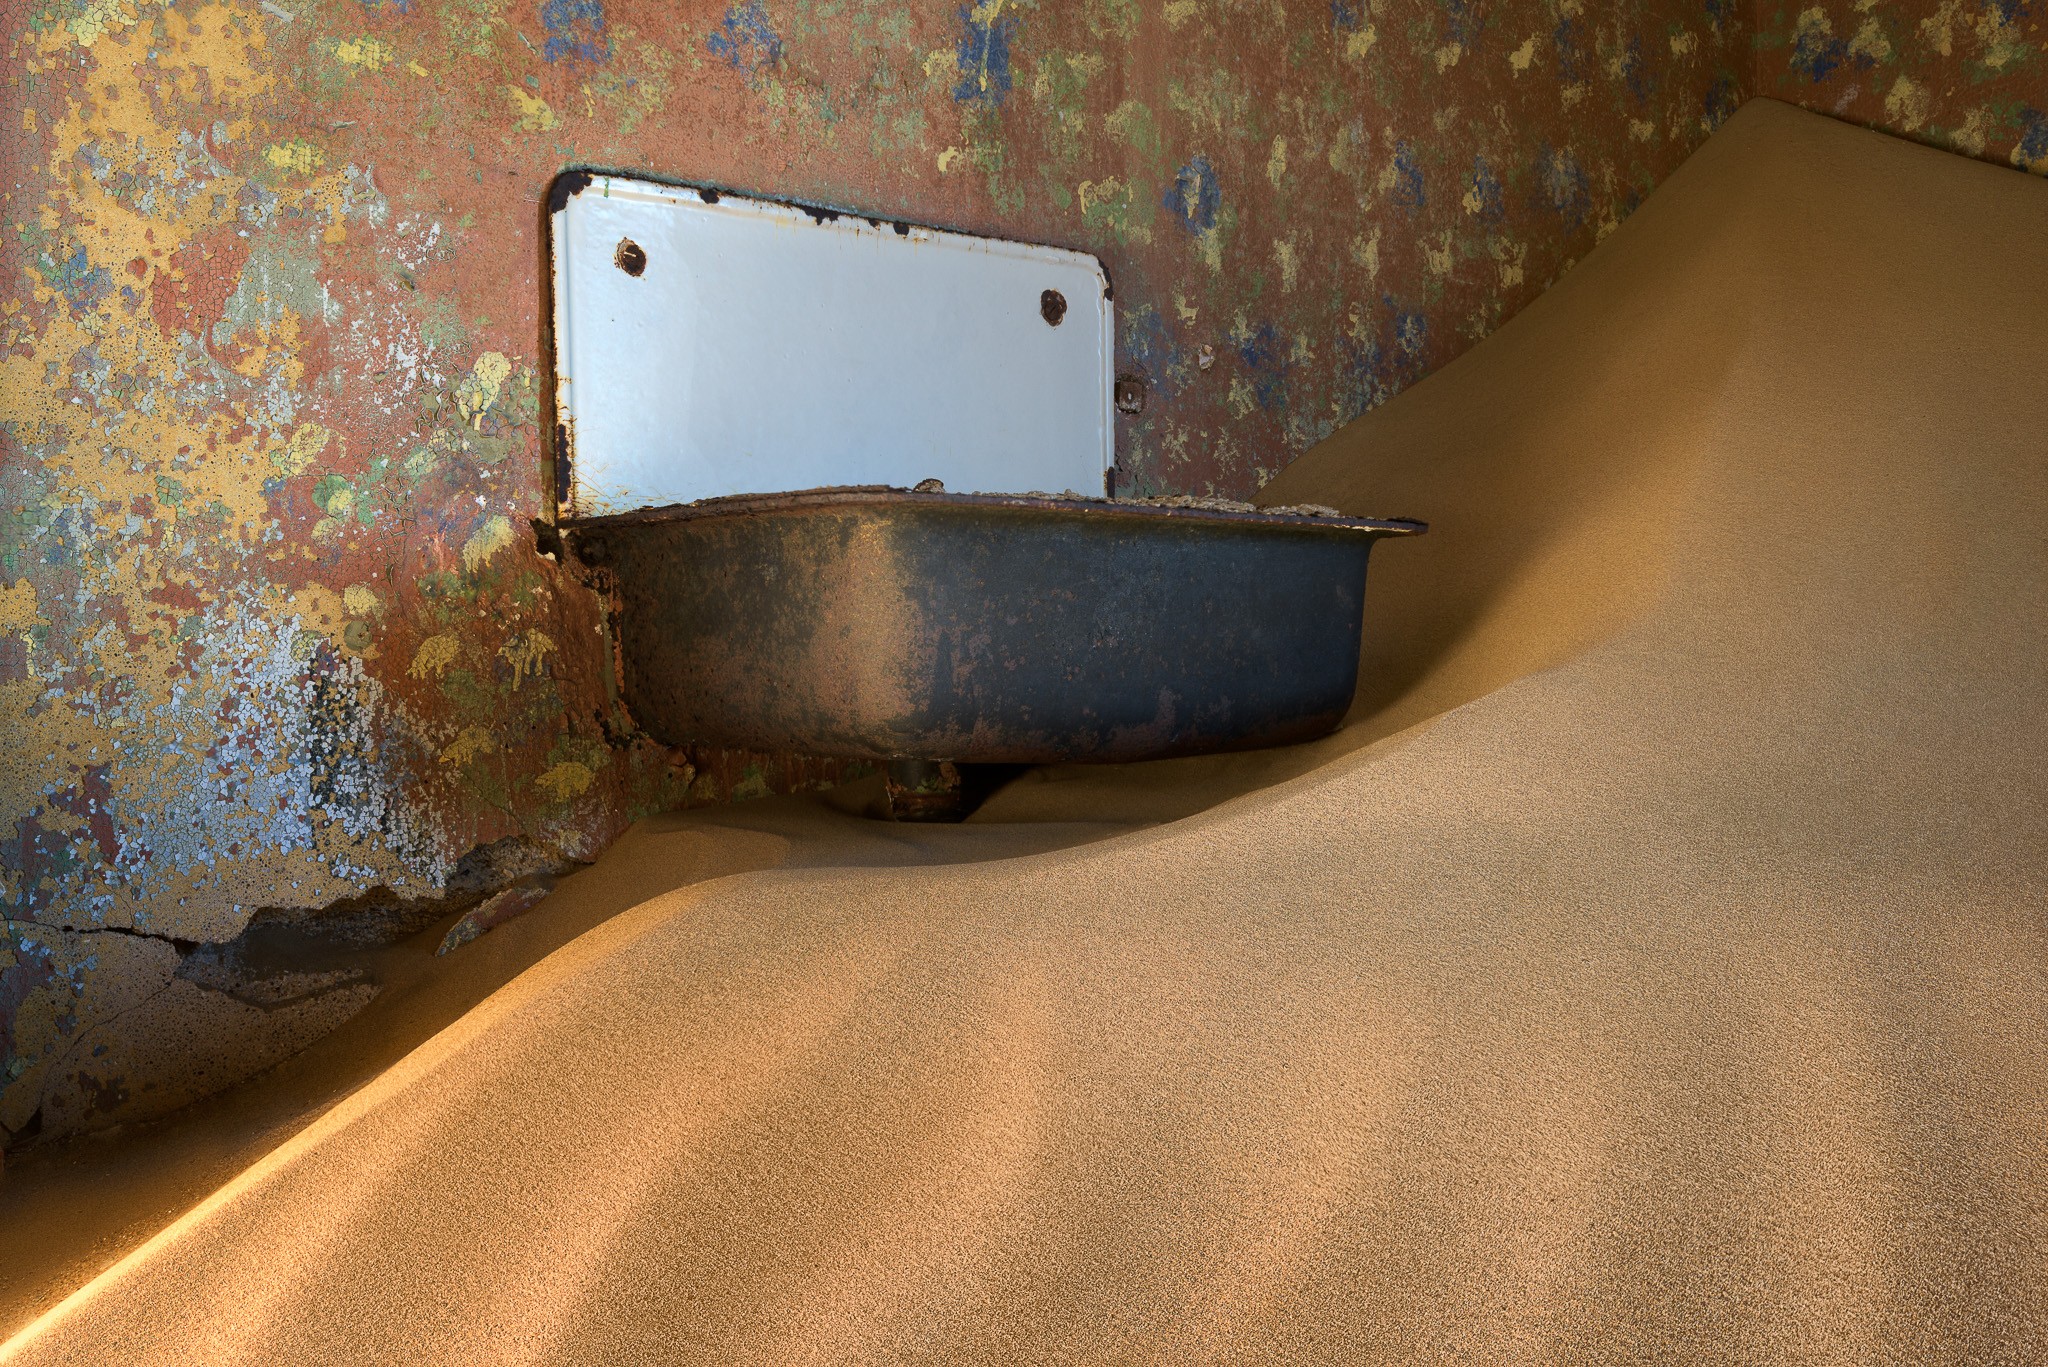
(1682, 995)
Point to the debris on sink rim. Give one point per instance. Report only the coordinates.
(1213, 505)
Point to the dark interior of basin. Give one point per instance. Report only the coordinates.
(927, 629)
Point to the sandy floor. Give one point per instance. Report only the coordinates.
(1653, 971)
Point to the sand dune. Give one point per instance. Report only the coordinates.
(1666, 980)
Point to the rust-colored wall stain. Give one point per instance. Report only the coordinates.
(275, 626)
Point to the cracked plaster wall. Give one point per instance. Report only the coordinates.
(273, 626)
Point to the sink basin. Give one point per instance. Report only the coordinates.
(897, 625)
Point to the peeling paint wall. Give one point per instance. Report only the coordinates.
(275, 627)
(1969, 76)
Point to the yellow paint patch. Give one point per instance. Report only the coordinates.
(1938, 29)
(1437, 255)
(1365, 252)
(1178, 12)
(360, 600)
(435, 654)
(1908, 103)
(1360, 43)
(98, 17)
(1871, 42)
(566, 780)
(1642, 130)
(1521, 58)
(534, 114)
(18, 610)
(366, 54)
(485, 382)
(297, 156)
(1276, 162)
(1814, 28)
(1682, 44)
(305, 446)
(494, 536)
(1289, 263)
(473, 743)
(1447, 56)
(1512, 258)
(1242, 401)
(1974, 133)
(525, 653)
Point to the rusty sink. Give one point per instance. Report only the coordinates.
(894, 625)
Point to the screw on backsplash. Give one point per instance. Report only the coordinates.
(631, 257)
(1052, 306)
(1130, 394)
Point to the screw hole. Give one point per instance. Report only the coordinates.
(631, 257)
(1052, 306)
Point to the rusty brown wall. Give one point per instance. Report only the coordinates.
(274, 626)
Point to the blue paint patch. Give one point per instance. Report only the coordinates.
(1264, 354)
(1485, 191)
(396, 6)
(1411, 335)
(1636, 71)
(1408, 361)
(575, 29)
(1462, 21)
(75, 277)
(1720, 12)
(1408, 191)
(1570, 39)
(1346, 16)
(1152, 350)
(1359, 386)
(1369, 373)
(1724, 97)
(2033, 143)
(746, 40)
(1196, 196)
(984, 57)
(1562, 185)
(1816, 55)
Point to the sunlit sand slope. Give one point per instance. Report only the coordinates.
(1679, 993)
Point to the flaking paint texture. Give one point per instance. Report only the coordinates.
(275, 625)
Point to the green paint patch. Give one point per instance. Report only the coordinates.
(280, 277)
(752, 787)
(1117, 208)
(1114, 19)
(1131, 123)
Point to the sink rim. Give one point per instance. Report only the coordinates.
(871, 495)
